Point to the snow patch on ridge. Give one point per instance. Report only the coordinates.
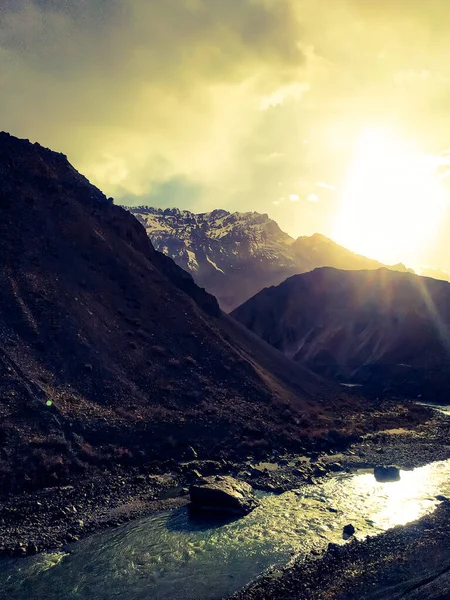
(211, 262)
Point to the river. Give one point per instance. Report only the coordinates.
(171, 556)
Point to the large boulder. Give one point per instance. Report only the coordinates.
(387, 473)
(223, 493)
(348, 531)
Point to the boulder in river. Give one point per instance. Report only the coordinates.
(442, 498)
(349, 530)
(387, 473)
(223, 493)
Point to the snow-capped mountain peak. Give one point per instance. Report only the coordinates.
(235, 255)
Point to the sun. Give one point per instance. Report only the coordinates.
(392, 202)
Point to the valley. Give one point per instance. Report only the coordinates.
(224, 300)
(306, 501)
(123, 382)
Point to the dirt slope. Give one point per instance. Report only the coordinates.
(109, 352)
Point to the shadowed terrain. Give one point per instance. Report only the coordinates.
(109, 352)
(384, 328)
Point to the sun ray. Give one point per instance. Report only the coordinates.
(441, 326)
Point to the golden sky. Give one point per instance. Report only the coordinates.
(247, 105)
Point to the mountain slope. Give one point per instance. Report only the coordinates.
(110, 354)
(435, 273)
(235, 255)
(387, 328)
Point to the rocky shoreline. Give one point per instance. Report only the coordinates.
(53, 517)
(410, 562)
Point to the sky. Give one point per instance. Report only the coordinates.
(332, 116)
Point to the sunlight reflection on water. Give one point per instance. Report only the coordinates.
(398, 503)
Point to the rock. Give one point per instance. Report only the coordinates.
(20, 550)
(245, 474)
(32, 548)
(387, 473)
(320, 470)
(442, 498)
(206, 467)
(298, 472)
(333, 548)
(257, 471)
(223, 493)
(348, 530)
(274, 488)
(335, 467)
(67, 510)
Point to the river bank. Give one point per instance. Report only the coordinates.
(53, 517)
(173, 553)
(411, 562)
(182, 555)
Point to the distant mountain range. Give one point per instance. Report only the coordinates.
(235, 255)
(384, 328)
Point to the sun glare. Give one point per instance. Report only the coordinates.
(392, 201)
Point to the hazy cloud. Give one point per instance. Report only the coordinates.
(215, 102)
(326, 186)
(137, 91)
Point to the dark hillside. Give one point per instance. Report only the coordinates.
(383, 328)
(109, 352)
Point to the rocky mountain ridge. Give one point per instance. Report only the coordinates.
(235, 255)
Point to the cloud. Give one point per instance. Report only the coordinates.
(326, 186)
(294, 91)
(137, 91)
(227, 98)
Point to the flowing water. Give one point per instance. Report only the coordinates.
(443, 408)
(171, 556)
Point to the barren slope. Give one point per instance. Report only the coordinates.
(383, 327)
(109, 353)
